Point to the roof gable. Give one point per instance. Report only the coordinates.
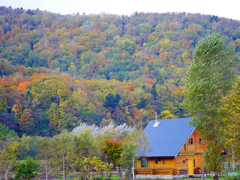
(168, 138)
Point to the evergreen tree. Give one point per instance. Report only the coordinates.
(142, 104)
(111, 101)
(153, 91)
(117, 98)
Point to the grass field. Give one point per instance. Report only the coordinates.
(116, 177)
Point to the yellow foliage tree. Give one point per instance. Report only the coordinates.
(230, 112)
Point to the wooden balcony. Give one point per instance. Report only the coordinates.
(156, 171)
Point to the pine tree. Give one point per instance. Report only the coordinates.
(153, 91)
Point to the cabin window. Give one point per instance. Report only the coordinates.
(200, 141)
(191, 141)
(163, 161)
(183, 161)
(144, 162)
(194, 163)
(156, 161)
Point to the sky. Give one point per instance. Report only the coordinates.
(221, 8)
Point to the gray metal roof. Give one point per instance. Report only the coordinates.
(168, 138)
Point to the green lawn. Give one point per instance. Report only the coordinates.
(113, 177)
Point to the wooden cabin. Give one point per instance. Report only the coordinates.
(177, 148)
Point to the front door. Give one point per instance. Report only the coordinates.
(190, 167)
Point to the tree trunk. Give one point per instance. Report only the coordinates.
(233, 163)
(46, 172)
(133, 168)
(6, 173)
(0, 174)
(215, 177)
(64, 176)
(119, 171)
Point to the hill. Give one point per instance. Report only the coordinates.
(60, 70)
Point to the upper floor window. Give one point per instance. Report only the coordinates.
(163, 161)
(190, 141)
(144, 162)
(201, 141)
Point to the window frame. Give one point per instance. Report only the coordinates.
(190, 141)
(146, 163)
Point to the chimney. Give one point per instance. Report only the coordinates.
(156, 117)
(156, 123)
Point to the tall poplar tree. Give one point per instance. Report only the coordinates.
(7, 156)
(62, 155)
(210, 76)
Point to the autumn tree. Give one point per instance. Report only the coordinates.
(167, 115)
(140, 115)
(210, 76)
(230, 114)
(88, 164)
(113, 150)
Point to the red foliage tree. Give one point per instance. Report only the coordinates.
(113, 150)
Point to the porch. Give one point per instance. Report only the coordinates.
(166, 171)
(156, 171)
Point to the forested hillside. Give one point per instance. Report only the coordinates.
(58, 71)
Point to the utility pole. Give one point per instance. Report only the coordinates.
(203, 174)
(133, 168)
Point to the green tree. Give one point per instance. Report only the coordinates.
(153, 91)
(5, 132)
(128, 155)
(45, 152)
(62, 154)
(111, 100)
(142, 104)
(84, 144)
(7, 157)
(210, 76)
(26, 169)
